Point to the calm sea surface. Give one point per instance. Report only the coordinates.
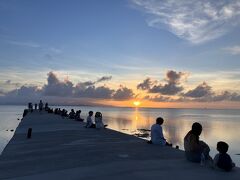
(218, 125)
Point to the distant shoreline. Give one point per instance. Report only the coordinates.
(126, 107)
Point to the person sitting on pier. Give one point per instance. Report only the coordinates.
(98, 121)
(222, 160)
(46, 107)
(157, 133)
(72, 114)
(78, 116)
(196, 150)
(89, 121)
(40, 105)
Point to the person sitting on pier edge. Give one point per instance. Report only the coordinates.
(98, 121)
(157, 133)
(78, 116)
(89, 121)
(196, 150)
(46, 107)
(40, 105)
(222, 160)
(72, 114)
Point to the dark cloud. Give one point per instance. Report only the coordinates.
(158, 98)
(174, 77)
(200, 91)
(123, 93)
(171, 87)
(55, 87)
(167, 89)
(145, 85)
(93, 92)
(104, 78)
(226, 96)
(31, 91)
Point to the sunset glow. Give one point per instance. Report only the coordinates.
(136, 103)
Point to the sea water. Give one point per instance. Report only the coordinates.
(218, 125)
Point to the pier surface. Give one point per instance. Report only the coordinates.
(64, 149)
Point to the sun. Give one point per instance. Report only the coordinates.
(136, 103)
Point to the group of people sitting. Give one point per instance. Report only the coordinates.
(195, 149)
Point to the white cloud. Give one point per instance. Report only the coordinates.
(235, 50)
(24, 43)
(193, 20)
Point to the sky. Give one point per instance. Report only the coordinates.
(163, 53)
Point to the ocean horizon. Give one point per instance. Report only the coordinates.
(218, 124)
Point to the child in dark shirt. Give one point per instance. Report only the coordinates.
(222, 160)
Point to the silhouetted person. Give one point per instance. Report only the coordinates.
(89, 120)
(35, 106)
(157, 136)
(98, 121)
(222, 160)
(46, 107)
(196, 150)
(30, 107)
(72, 114)
(40, 105)
(78, 116)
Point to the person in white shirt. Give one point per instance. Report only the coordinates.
(157, 136)
(89, 120)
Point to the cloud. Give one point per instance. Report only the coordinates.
(55, 87)
(171, 87)
(235, 50)
(167, 89)
(93, 92)
(66, 90)
(158, 98)
(145, 85)
(25, 91)
(104, 78)
(123, 93)
(193, 20)
(201, 90)
(24, 43)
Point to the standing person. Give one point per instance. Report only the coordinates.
(40, 105)
(35, 106)
(98, 121)
(222, 160)
(89, 120)
(157, 133)
(196, 150)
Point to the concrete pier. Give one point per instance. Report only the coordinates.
(63, 149)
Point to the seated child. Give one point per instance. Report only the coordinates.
(222, 160)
